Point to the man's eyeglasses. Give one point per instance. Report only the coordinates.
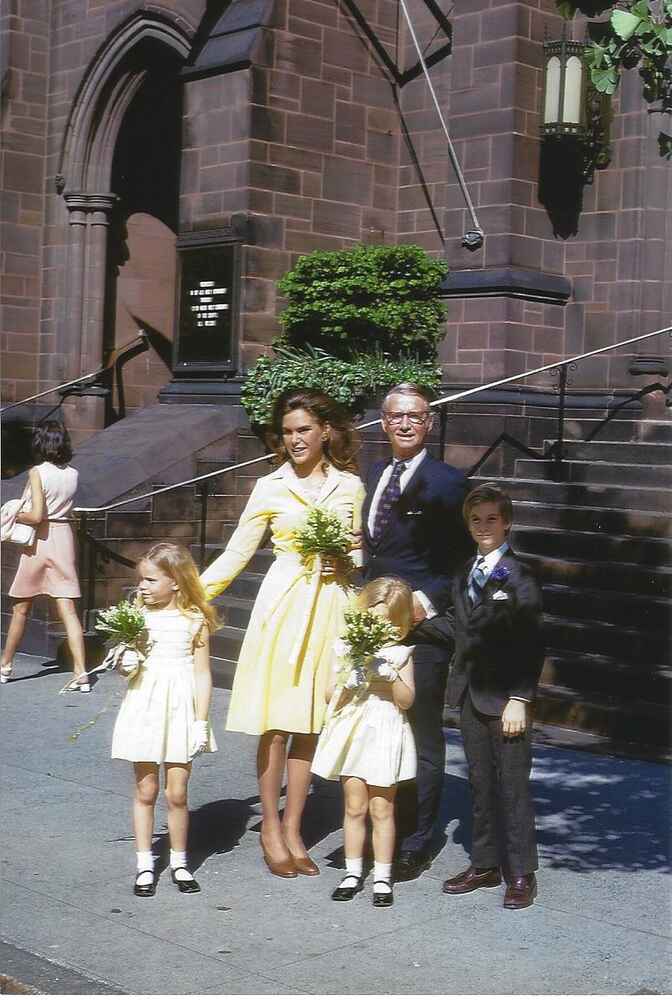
(395, 419)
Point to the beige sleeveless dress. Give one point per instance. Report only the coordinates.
(48, 566)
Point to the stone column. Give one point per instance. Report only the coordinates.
(80, 340)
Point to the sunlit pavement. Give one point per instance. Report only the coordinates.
(601, 923)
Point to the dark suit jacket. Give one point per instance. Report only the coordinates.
(425, 542)
(499, 648)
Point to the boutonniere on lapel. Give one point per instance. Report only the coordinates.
(500, 575)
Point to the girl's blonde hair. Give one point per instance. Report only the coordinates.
(394, 593)
(176, 562)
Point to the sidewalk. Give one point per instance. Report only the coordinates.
(601, 924)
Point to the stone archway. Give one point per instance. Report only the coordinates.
(85, 173)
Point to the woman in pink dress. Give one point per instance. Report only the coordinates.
(48, 565)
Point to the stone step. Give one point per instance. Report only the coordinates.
(597, 473)
(623, 579)
(222, 671)
(628, 647)
(637, 452)
(259, 563)
(629, 610)
(226, 642)
(621, 719)
(650, 524)
(606, 677)
(626, 498)
(592, 545)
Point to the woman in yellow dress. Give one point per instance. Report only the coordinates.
(283, 669)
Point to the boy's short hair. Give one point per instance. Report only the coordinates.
(488, 493)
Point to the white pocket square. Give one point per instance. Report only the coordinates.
(499, 595)
(412, 513)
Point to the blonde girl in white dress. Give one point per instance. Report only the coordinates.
(164, 716)
(367, 742)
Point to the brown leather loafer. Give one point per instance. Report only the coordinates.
(305, 865)
(471, 879)
(520, 892)
(283, 869)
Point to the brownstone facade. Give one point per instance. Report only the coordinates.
(298, 130)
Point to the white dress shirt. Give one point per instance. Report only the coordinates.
(411, 466)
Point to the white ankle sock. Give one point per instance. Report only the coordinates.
(178, 859)
(382, 874)
(145, 863)
(353, 872)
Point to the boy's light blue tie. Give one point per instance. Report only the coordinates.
(478, 580)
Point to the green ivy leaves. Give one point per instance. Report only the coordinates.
(349, 382)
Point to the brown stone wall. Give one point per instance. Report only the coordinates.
(490, 90)
(24, 28)
(308, 143)
(320, 168)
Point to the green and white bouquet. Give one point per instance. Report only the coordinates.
(365, 634)
(324, 534)
(126, 630)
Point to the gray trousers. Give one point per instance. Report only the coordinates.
(499, 775)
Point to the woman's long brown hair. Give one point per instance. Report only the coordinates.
(343, 443)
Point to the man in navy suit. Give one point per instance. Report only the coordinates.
(412, 528)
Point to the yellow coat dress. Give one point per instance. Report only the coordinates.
(286, 655)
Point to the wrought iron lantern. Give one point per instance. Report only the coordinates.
(565, 82)
(573, 111)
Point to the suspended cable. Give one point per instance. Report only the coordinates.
(473, 240)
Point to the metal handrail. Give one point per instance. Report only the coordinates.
(463, 394)
(140, 335)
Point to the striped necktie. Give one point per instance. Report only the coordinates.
(478, 580)
(388, 497)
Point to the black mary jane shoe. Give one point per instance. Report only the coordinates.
(343, 893)
(145, 890)
(383, 898)
(184, 884)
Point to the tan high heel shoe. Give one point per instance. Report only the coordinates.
(283, 869)
(304, 864)
(6, 671)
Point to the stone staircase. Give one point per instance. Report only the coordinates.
(602, 544)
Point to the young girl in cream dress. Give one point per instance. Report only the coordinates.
(367, 742)
(164, 716)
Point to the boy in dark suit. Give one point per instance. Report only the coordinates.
(494, 677)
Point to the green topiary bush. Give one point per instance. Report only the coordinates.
(365, 300)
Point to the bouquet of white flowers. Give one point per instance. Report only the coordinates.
(324, 534)
(124, 625)
(365, 634)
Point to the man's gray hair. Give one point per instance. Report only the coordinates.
(409, 389)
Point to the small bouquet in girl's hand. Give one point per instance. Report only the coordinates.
(324, 534)
(126, 629)
(125, 625)
(365, 634)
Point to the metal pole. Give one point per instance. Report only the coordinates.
(559, 450)
(443, 417)
(203, 490)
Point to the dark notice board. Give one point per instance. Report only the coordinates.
(205, 337)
